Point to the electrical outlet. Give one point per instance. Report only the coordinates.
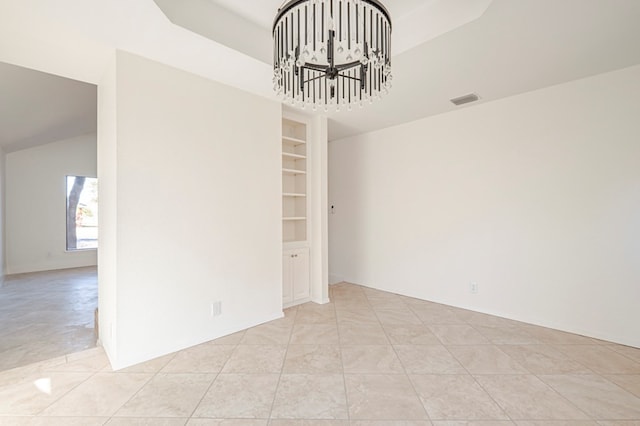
(216, 308)
(473, 287)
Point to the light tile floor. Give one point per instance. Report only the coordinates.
(368, 358)
(45, 315)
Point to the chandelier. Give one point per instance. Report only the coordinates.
(331, 54)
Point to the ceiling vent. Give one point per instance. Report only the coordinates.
(465, 99)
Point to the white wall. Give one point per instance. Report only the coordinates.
(196, 170)
(319, 224)
(2, 218)
(108, 209)
(534, 197)
(36, 204)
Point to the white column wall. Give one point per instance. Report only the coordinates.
(319, 231)
(3, 266)
(197, 175)
(108, 208)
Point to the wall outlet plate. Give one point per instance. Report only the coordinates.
(216, 308)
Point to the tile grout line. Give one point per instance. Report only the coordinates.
(530, 373)
(475, 380)
(211, 384)
(623, 354)
(344, 377)
(153, 376)
(284, 359)
(393, 348)
(91, 375)
(565, 398)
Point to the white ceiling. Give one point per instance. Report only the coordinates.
(414, 21)
(262, 12)
(447, 48)
(495, 48)
(515, 47)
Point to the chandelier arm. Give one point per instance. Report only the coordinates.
(344, 67)
(313, 79)
(315, 67)
(323, 76)
(349, 77)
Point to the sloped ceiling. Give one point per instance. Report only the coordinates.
(38, 108)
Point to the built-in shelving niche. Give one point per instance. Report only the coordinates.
(294, 181)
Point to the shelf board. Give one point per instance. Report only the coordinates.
(294, 218)
(296, 156)
(296, 243)
(293, 140)
(293, 194)
(294, 172)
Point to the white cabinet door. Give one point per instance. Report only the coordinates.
(287, 278)
(295, 276)
(301, 274)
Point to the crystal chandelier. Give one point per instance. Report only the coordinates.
(331, 54)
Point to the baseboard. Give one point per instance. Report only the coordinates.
(28, 269)
(626, 340)
(296, 303)
(118, 365)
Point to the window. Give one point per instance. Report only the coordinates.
(82, 213)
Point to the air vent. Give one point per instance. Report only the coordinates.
(465, 99)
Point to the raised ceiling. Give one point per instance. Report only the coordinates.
(447, 48)
(444, 48)
(262, 12)
(246, 25)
